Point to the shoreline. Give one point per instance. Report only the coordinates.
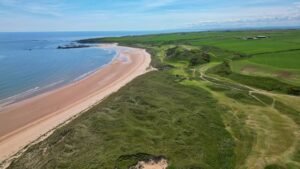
(55, 85)
(44, 113)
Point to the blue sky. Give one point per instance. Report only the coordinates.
(114, 15)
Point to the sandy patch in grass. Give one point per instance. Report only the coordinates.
(151, 164)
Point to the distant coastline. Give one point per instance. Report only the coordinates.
(73, 46)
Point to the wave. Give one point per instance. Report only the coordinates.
(110, 51)
(27, 94)
(41, 88)
(85, 75)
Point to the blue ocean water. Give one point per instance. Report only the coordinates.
(31, 63)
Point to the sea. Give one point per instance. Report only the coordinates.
(30, 62)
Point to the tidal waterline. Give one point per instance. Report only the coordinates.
(30, 63)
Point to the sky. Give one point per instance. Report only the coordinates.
(143, 15)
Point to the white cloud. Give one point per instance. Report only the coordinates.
(52, 8)
(266, 16)
(141, 15)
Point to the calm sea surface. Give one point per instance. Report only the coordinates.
(30, 63)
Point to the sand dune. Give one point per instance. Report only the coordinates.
(25, 121)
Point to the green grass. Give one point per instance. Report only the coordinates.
(194, 57)
(242, 97)
(284, 60)
(260, 132)
(246, 67)
(251, 47)
(152, 115)
(230, 40)
(265, 83)
(274, 166)
(265, 99)
(276, 56)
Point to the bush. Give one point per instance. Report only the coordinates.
(194, 57)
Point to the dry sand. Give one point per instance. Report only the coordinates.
(23, 122)
(161, 164)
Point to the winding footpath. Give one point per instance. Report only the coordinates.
(276, 135)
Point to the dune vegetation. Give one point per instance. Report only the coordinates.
(218, 100)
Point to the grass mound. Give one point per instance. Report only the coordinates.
(193, 56)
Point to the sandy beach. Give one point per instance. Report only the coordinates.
(23, 122)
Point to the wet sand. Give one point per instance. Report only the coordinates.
(23, 122)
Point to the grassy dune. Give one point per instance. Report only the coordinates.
(200, 110)
(153, 115)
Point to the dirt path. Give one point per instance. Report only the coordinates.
(275, 135)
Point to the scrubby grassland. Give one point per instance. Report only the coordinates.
(200, 110)
(249, 67)
(153, 115)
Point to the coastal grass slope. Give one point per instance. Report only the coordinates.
(188, 130)
(200, 110)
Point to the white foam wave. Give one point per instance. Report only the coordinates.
(117, 55)
(14, 98)
(84, 75)
(27, 93)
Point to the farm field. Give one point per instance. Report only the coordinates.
(234, 41)
(216, 101)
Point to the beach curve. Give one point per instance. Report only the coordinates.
(24, 122)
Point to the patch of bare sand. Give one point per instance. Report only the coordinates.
(284, 74)
(249, 69)
(151, 164)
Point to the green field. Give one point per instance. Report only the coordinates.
(248, 67)
(216, 102)
(233, 41)
(284, 66)
(284, 60)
